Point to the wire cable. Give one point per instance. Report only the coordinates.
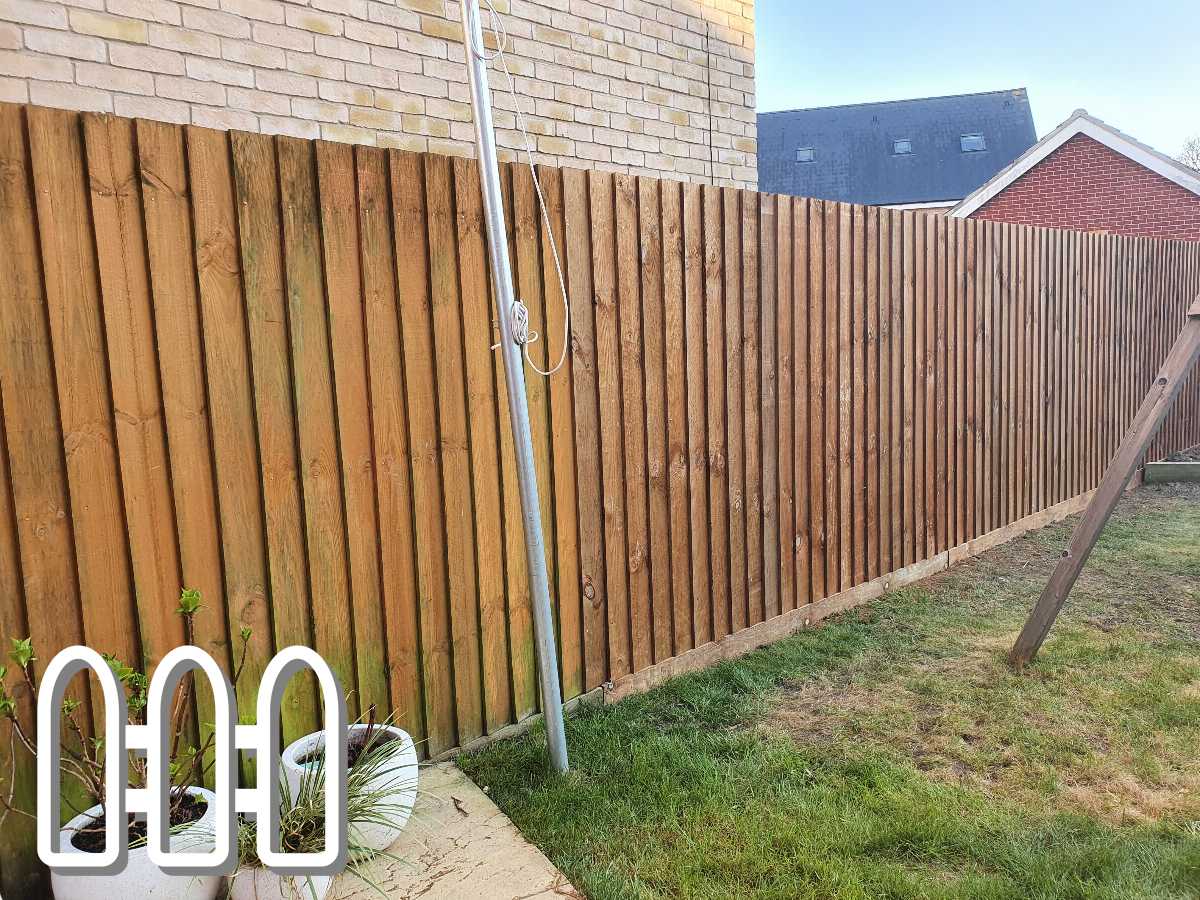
(522, 334)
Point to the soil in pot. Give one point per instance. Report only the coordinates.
(184, 811)
(357, 743)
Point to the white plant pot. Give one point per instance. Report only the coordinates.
(141, 878)
(263, 884)
(395, 777)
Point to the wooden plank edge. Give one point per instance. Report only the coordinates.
(1164, 472)
(594, 697)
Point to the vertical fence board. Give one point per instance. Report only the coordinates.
(35, 528)
(592, 578)
(522, 658)
(987, 405)
(768, 522)
(677, 412)
(910, 390)
(416, 329)
(785, 500)
(896, 403)
(718, 483)
(744, 342)
(942, 374)
(232, 401)
(923, 385)
(113, 180)
(526, 224)
(958, 402)
(21, 874)
(801, 300)
(1005, 367)
(389, 426)
(858, 398)
(697, 414)
(186, 400)
(845, 399)
(973, 341)
(451, 403)
(741, 358)
(886, 389)
(562, 437)
(816, 392)
(73, 311)
(344, 301)
(565, 579)
(312, 389)
(653, 335)
(832, 465)
(524, 258)
(256, 193)
(871, 396)
(484, 461)
(1021, 478)
(608, 367)
(743, 257)
(633, 407)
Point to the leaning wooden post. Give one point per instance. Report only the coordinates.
(1133, 448)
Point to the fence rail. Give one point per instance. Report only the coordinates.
(260, 367)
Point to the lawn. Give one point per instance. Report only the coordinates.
(891, 752)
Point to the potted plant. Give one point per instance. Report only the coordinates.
(191, 831)
(302, 830)
(190, 806)
(381, 764)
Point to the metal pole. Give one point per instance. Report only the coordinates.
(514, 378)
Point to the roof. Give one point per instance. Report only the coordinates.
(853, 158)
(1081, 123)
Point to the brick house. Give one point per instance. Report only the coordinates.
(1089, 176)
(659, 87)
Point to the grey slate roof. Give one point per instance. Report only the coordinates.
(853, 157)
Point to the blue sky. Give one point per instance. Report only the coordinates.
(1135, 65)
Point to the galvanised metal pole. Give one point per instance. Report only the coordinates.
(514, 378)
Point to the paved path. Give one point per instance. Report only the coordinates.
(459, 845)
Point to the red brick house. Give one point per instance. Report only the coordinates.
(1089, 176)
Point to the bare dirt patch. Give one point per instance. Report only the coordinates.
(1106, 722)
(963, 721)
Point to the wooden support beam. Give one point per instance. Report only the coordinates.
(1145, 426)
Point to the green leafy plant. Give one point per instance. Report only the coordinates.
(302, 818)
(82, 756)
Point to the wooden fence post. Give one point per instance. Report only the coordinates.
(1145, 426)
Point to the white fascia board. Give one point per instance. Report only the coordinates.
(930, 204)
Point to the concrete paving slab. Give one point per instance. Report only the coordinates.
(458, 845)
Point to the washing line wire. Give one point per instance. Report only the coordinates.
(522, 333)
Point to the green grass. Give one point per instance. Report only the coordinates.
(891, 753)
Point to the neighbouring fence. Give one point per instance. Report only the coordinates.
(260, 367)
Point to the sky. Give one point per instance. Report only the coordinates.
(1136, 65)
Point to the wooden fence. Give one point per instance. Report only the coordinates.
(260, 367)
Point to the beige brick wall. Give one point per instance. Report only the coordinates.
(663, 87)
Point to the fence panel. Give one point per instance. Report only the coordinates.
(261, 367)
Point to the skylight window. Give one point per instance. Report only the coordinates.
(972, 143)
(805, 154)
(901, 147)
